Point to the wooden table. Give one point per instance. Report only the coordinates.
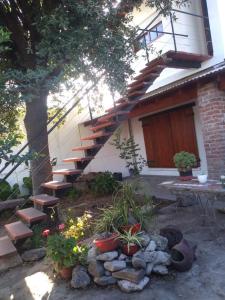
(205, 194)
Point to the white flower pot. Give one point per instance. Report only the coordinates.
(202, 178)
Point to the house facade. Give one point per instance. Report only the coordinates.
(183, 108)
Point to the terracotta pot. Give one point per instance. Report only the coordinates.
(186, 175)
(173, 235)
(134, 228)
(108, 244)
(130, 250)
(66, 273)
(182, 256)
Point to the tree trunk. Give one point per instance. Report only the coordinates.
(36, 126)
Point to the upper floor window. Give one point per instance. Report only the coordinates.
(151, 35)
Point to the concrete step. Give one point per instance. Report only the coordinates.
(103, 125)
(18, 231)
(112, 115)
(56, 185)
(31, 215)
(44, 200)
(96, 136)
(6, 247)
(67, 172)
(83, 148)
(78, 159)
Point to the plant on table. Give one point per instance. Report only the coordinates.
(184, 162)
(131, 242)
(104, 184)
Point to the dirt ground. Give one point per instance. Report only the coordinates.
(205, 281)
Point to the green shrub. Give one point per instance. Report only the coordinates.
(184, 161)
(73, 193)
(104, 184)
(27, 183)
(8, 192)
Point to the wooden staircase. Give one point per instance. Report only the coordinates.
(103, 129)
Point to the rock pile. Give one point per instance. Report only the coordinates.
(130, 273)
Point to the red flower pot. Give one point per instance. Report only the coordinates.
(130, 250)
(134, 228)
(108, 244)
(66, 273)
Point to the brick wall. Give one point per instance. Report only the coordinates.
(211, 103)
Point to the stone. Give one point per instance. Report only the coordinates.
(105, 280)
(161, 241)
(9, 262)
(107, 256)
(107, 273)
(151, 246)
(163, 258)
(149, 268)
(129, 287)
(80, 278)
(33, 255)
(115, 265)
(138, 262)
(95, 268)
(130, 274)
(92, 254)
(150, 257)
(122, 257)
(160, 269)
(145, 239)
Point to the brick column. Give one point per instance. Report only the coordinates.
(211, 103)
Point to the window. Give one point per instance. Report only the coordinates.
(151, 35)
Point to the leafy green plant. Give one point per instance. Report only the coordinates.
(65, 252)
(129, 152)
(74, 193)
(184, 161)
(118, 214)
(130, 238)
(27, 183)
(37, 240)
(104, 184)
(8, 192)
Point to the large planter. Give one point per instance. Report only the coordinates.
(186, 175)
(173, 235)
(131, 250)
(66, 273)
(108, 244)
(182, 256)
(134, 228)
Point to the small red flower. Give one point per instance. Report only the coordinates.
(61, 227)
(45, 232)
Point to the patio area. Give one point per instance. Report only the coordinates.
(205, 281)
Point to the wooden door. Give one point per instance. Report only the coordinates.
(168, 133)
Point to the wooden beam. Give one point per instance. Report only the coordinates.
(164, 102)
(221, 82)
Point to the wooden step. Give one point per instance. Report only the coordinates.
(18, 231)
(6, 247)
(122, 100)
(119, 106)
(147, 77)
(44, 200)
(112, 115)
(96, 136)
(103, 125)
(76, 159)
(67, 172)
(31, 215)
(138, 86)
(136, 94)
(83, 148)
(56, 185)
(153, 68)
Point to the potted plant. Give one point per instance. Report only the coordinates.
(130, 242)
(65, 253)
(184, 162)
